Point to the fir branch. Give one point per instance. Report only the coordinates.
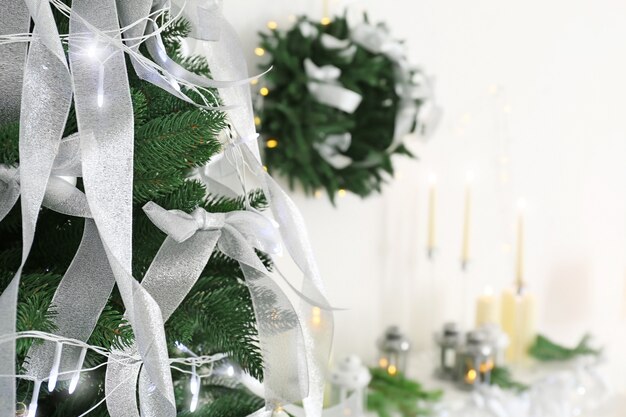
(397, 394)
(545, 349)
(503, 378)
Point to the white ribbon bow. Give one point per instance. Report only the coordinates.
(326, 89)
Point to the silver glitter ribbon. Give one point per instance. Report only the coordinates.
(314, 312)
(14, 18)
(46, 96)
(107, 165)
(325, 87)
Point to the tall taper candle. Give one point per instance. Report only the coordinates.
(519, 271)
(432, 208)
(467, 214)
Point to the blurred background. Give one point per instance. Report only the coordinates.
(534, 95)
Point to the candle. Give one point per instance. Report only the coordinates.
(465, 249)
(519, 271)
(432, 206)
(487, 308)
(519, 322)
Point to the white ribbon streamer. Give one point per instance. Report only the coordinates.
(46, 96)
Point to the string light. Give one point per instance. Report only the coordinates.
(76, 376)
(316, 316)
(254, 81)
(318, 193)
(32, 407)
(257, 120)
(272, 25)
(325, 21)
(101, 85)
(265, 168)
(264, 91)
(54, 372)
(341, 192)
(392, 370)
(271, 143)
(258, 51)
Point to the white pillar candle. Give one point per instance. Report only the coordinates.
(487, 308)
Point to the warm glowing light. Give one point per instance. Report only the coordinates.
(432, 178)
(318, 193)
(392, 370)
(265, 168)
(272, 25)
(264, 91)
(325, 21)
(341, 192)
(259, 51)
(470, 377)
(493, 89)
(316, 316)
(486, 367)
(257, 120)
(383, 362)
(271, 143)
(255, 81)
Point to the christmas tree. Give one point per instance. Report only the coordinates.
(171, 138)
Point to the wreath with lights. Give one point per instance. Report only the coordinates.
(339, 102)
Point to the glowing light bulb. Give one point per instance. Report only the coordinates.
(383, 362)
(341, 192)
(230, 371)
(392, 370)
(92, 51)
(101, 86)
(316, 316)
(264, 91)
(258, 51)
(272, 25)
(265, 168)
(194, 403)
(470, 377)
(254, 81)
(32, 407)
(271, 143)
(325, 21)
(318, 194)
(257, 120)
(79, 366)
(54, 372)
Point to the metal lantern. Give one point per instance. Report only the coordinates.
(393, 349)
(474, 361)
(448, 341)
(349, 385)
(498, 340)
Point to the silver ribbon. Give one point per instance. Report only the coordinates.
(46, 96)
(315, 313)
(324, 86)
(13, 19)
(182, 257)
(107, 147)
(332, 147)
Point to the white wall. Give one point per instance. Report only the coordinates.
(562, 66)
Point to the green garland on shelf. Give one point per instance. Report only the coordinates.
(317, 133)
(392, 395)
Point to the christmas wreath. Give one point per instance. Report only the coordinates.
(338, 103)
